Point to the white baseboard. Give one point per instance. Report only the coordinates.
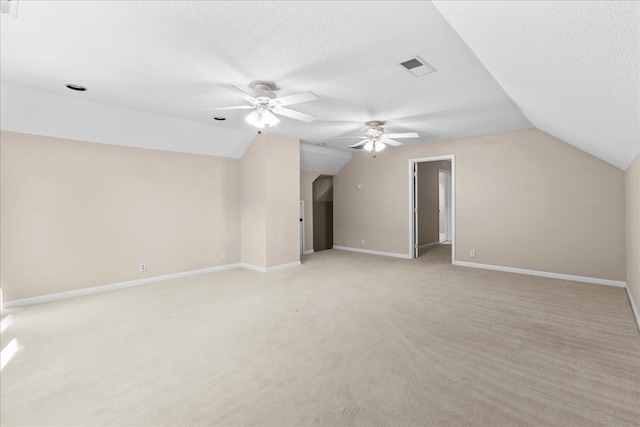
(543, 274)
(253, 267)
(308, 252)
(139, 282)
(113, 286)
(593, 280)
(367, 251)
(634, 309)
(270, 269)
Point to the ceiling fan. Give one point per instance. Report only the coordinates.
(375, 139)
(266, 105)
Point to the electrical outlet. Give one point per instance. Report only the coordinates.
(362, 242)
(472, 253)
(223, 255)
(143, 267)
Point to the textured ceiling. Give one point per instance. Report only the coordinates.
(175, 58)
(573, 67)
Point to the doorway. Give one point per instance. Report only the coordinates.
(322, 213)
(444, 205)
(432, 204)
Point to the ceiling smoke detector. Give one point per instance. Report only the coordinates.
(417, 66)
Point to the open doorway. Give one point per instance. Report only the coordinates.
(323, 213)
(432, 206)
(444, 204)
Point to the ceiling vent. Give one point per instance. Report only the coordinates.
(9, 7)
(417, 66)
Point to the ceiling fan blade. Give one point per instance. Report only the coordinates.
(297, 98)
(237, 107)
(359, 144)
(392, 142)
(294, 114)
(402, 135)
(242, 93)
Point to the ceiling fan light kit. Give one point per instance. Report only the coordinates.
(372, 145)
(265, 105)
(376, 140)
(262, 116)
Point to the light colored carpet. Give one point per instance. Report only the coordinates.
(345, 339)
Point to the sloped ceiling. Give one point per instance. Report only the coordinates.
(572, 67)
(163, 61)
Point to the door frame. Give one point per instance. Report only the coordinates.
(447, 202)
(413, 203)
(302, 241)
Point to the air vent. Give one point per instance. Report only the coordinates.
(417, 66)
(9, 7)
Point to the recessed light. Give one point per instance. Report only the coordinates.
(321, 144)
(76, 87)
(220, 118)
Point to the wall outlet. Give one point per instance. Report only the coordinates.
(472, 253)
(223, 255)
(143, 267)
(362, 242)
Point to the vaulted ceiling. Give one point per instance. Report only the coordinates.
(570, 69)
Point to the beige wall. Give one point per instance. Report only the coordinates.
(306, 194)
(523, 199)
(283, 200)
(270, 171)
(429, 200)
(76, 214)
(632, 221)
(253, 171)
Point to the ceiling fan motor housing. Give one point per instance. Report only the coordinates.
(266, 104)
(262, 92)
(375, 132)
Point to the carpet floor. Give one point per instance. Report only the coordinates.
(345, 339)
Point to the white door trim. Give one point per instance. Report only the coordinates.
(415, 220)
(412, 201)
(447, 203)
(302, 242)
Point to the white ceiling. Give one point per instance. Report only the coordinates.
(174, 58)
(572, 67)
